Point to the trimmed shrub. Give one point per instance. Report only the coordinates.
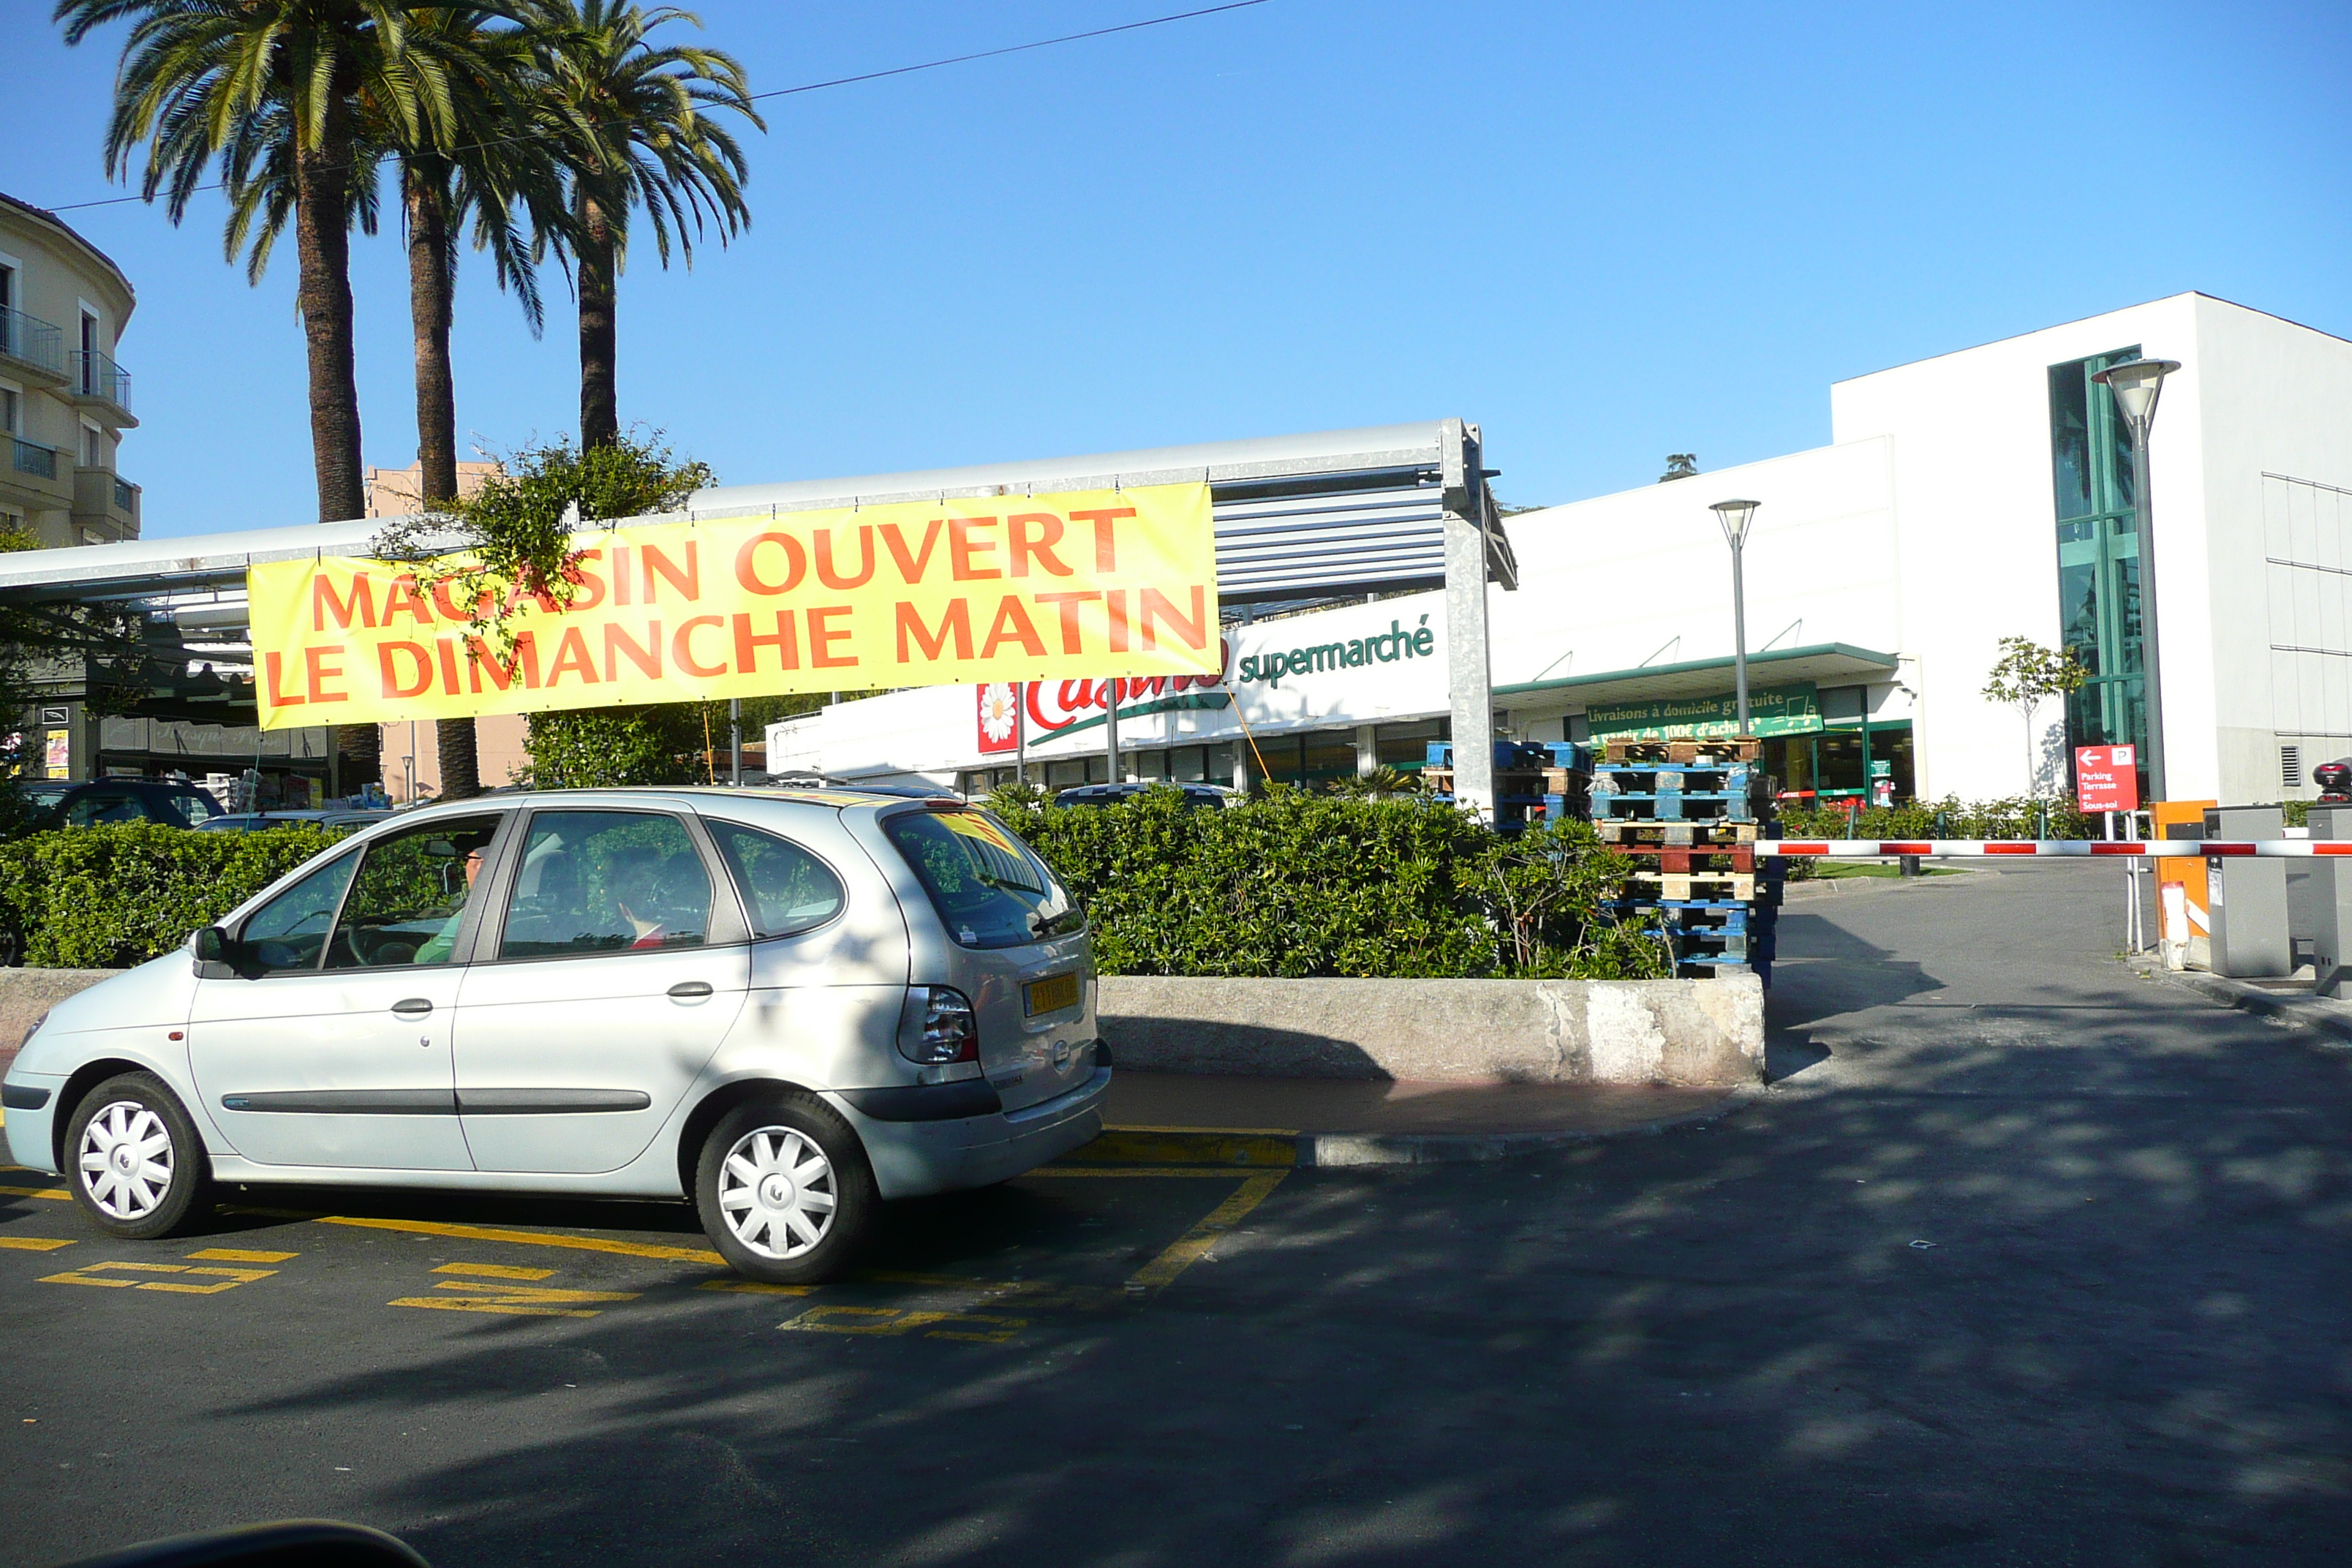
(120, 893)
(1297, 884)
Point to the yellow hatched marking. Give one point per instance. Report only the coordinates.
(493, 1271)
(1212, 1132)
(532, 1239)
(515, 1301)
(755, 1288)
(230, 1279)
(60, 1194)
(1189, 1248)
(237, 1254)
(31, 1243)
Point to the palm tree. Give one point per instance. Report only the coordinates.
(271, 90)
(488, 167)
(631, 122)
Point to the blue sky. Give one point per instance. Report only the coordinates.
(1604, 233)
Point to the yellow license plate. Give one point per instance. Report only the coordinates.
(1053, 993)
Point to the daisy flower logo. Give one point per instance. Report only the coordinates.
(998, 713)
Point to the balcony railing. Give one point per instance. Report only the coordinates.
(97, 376)
(122, 496)
(33, 341)
(38, 460)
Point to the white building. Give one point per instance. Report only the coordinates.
(1963, 498)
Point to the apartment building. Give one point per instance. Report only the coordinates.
(65, 399)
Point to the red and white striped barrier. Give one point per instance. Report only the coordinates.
(2073, 849)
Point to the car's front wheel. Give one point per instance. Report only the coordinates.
(784, 1190)
(136, 1163)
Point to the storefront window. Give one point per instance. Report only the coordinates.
(1327, 754)
(1405, 747)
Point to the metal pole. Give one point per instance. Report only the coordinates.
(735, 740)
(1739, 636)
(2151, 663)
(1020, 730)
(1110, 724)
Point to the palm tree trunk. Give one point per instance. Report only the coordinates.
(461, 775)
(323, 240)
(430, 284)
(600, 418)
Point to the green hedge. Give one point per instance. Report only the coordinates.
(1292, 885)
(121, 893)
(1295, 885)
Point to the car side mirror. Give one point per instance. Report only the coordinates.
(211, 945)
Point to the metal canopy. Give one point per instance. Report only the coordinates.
(1821, 663)
(1296, 517)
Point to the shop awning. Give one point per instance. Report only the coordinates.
(1824, 664)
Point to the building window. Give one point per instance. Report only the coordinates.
(2099, 555)
(2291, 767)
(9, 401)
(93, 447)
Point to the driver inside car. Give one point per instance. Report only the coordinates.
(438, 947)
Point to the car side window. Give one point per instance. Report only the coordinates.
(94, 806)
(289, 932)
(411, 894)
(787, 889)
(606, 881)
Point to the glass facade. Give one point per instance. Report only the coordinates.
(2098, 556)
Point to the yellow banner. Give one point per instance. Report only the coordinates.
(1091, 583)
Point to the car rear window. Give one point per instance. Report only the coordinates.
(989, 888)
(193, 806)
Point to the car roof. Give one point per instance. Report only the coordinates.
(831, 796)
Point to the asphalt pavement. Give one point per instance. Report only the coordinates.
(2024, 1259)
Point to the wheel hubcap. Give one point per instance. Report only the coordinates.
(776, 1190)
(126, 1160)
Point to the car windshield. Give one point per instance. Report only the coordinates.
(989, 888)
(194, 806)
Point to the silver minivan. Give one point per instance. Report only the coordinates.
(784, 1007)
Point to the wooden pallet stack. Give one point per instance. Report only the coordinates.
(1690, 812)
(1535, 780)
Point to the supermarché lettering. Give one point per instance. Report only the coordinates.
(1385, 648)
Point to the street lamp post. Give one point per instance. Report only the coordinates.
(2137, 386)
(1735, 516)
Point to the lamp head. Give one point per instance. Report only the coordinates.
(2136, 384)
(1735, 516)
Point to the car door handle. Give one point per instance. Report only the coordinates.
(690, 988)
(413, 1007)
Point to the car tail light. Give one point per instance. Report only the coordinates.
(937, 1025)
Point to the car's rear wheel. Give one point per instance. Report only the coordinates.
(137, 1167)
(784, 1190)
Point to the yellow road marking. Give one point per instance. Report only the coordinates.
(755, 1288)
(494, 1271)
(443, 1303)
(1208, 1172)
(1188, 1248)
(514, 1300)
(57, 1192)
(1218, 1132)
(230, 1277)
(1138, 1145)
(236, 1255)
(31, 1243)
(532, 1239)
(895, 1320)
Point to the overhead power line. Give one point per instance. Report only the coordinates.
(868, 76)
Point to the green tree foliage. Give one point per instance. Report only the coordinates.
(1297, 884)
(2026, 675)
(121, 893)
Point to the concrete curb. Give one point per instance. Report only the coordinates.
(1337, 1150)
(2309, 1012)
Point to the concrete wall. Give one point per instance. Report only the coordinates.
(1695, 1032)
